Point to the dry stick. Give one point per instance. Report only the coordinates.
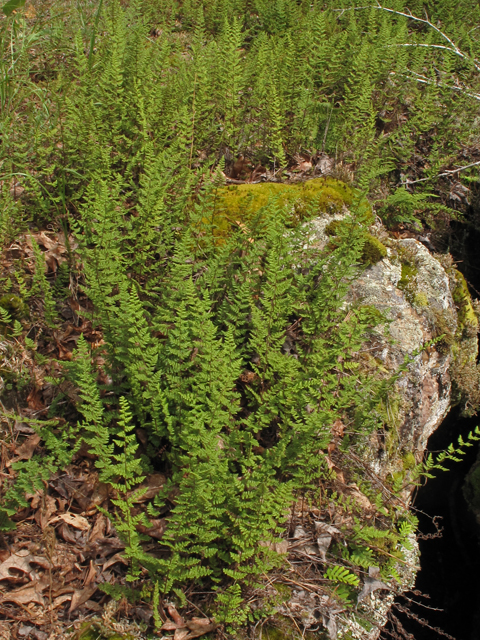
(309, 587)
(453, 47)
(449, 172)
(417, 77)
(197, 608)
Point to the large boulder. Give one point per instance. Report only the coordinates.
(429, 323)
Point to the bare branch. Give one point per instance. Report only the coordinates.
(449, 172)
(453, 47)
(424, 80)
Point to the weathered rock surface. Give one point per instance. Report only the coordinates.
(418, 295)
(413, 291)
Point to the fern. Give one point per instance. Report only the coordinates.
(124, 472)
(341, 574)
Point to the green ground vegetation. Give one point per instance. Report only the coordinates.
(223, 335)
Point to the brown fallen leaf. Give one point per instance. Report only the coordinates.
(80, 596)
(151, 485)
(98, 529)
(360, 498)
(338, 429)
(47, 507)
(34, 400)
(91, 574)
(113, 560)
(61, 591)
(26, 594)
(26, 449)
(23, 428)
(176, 617)
(99, 495)
(91, 493)
(66, 533)
(200, 626)
(61, 600)
(18, 563)
(156, 530)
(43, 240)
(74, 520)
(372, 583)
(193, 628)
(103, 547)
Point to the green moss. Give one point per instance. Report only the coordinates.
(408, 278)
(333, 227)
(14, 305)
(285, 629)
(420, 299)
(461, 296)
(409, 461)
(93, 632)
(237, 203)
(373, 250)
(283, 591)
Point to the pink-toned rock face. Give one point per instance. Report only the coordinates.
(412, 290)
(424, 390)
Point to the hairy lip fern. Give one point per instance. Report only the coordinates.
(236, 453)
(197, 360)
(231, 350)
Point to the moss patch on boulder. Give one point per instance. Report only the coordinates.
(236, 204)
(467, 318)
(14, 306)
(373, 249)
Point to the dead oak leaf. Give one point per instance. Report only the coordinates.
(200, 626)
(66, 533)
(34, 400)
(80, 596)
(26, 449)
(48, 506)
(156, 529)
(372, 583)
(30, 593)
(338, 429)
(17, 563)
(193, 628)
(113, 560)
(176, 617)
(72, 519)
(149, 488)
(98, 529)
(61, 600)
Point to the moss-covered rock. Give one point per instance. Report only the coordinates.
(373, 250)
(14, 305)
(467, 318)
(235, 204)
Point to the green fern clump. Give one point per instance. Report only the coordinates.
(246, 421)
(226, 340)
